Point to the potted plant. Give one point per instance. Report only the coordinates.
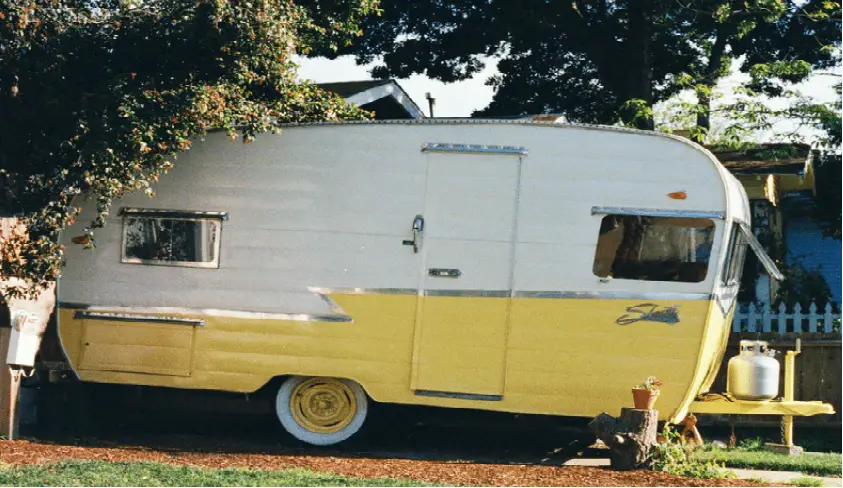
(645, 395)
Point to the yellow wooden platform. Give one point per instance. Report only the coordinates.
(723, 404)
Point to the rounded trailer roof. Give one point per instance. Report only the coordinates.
(736, 205)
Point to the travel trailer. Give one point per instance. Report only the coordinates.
(518, 266)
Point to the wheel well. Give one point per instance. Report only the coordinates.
(270, 388)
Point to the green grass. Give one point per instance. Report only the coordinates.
(757, 479)
(805, 481)
(826, 464)
(102, 473)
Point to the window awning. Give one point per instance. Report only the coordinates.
(760, 253)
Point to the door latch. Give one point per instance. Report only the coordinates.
(444, 272)
(418, 227)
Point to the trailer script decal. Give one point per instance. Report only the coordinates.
(649, 312)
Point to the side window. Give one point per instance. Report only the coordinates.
(654, 248)
(733, 266)
(171, 238)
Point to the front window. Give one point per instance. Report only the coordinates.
(171, 238)
(648, 248)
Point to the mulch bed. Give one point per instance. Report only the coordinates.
(447, 472)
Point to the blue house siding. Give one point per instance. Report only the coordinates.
(806, 246)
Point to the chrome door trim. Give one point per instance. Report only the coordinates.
(468, 293)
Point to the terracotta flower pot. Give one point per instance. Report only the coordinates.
(644, 399)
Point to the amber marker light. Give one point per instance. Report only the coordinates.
(678, 195)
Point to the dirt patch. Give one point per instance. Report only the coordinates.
(454, 472)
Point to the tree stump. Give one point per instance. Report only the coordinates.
(629, 437)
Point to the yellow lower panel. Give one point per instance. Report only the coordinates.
(554, 356)
(140, 348)
(710, 352)
(572, 355)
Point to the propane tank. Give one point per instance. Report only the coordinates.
(754, 373)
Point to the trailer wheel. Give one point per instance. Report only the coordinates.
(321, 411)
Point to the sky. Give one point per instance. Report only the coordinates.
(452, 100)
(461, 98)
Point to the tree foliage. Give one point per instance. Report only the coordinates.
(96, 97)
(598, 60)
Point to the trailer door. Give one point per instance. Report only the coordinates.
(470, 222)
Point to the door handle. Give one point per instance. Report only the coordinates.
(418, 227)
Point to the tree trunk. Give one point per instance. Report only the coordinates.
(703, 117)
(641, 66)
(630, 437)
(711, 76)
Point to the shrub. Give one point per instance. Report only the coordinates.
(673, 456)
(806, 481)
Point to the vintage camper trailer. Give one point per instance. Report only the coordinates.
(517, 266)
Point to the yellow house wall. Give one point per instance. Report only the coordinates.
(754, 186)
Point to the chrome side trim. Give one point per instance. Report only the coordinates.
(468, 293)
(364, 291)
(334, 305)
(210, 312)
(129, 317)
(726, 299)
(98, 312)
(472, 148)
(615, 295)
(459, 396)
(619, 295)
(655, 212)
(172, 214)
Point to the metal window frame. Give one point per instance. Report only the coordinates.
(184, 215)
(659, 212)
(643, 212)
(173, 214)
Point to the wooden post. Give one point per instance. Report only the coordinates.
(9, 390)
(789, 374)
(31, 328)
(630, 437)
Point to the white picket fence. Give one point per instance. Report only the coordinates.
(763, 319)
